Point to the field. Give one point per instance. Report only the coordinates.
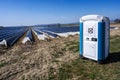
(58, 59)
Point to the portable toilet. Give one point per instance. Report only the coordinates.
(94, 37)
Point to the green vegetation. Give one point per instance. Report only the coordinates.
(73, 46)
(58, 52)
(2, 64)
(80, 69)
(60, 61)
(115, 44)
(88, 70)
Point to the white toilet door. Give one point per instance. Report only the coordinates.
(90, 39)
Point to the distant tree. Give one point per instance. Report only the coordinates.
(1, 26)
(58, 24)
(117, 20)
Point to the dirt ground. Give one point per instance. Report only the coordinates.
(35, 61)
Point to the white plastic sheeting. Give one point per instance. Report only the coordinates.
(29, 37)
(3, 43)
(41, 36)
(50, 34)
(66, 34)
(26, 39)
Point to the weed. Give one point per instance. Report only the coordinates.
(73, 46)
(3, 64)
(55, 61)
(51, 73)
(115, 44)
(89, 70)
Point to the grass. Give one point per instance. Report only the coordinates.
(89, 70)
(73, 46)
(115, 44)
(80, 69)
(76, 69)
(58, 54)
(3, 64)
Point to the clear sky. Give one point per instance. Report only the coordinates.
(31, 12)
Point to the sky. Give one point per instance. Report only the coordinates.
(33, 12)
